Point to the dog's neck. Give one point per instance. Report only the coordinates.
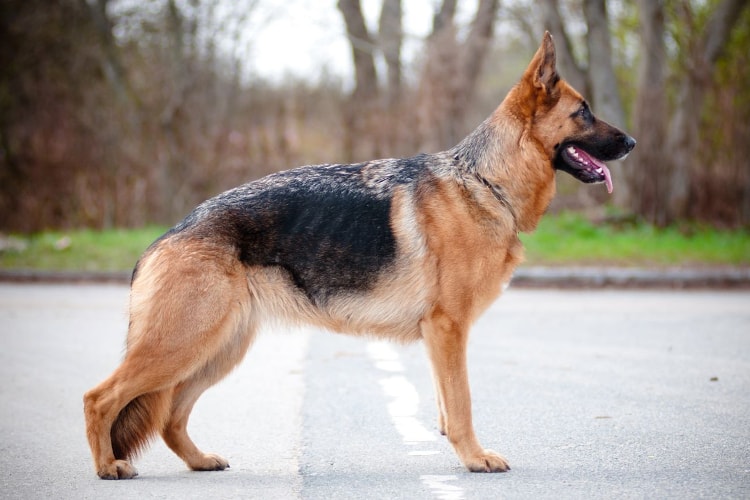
(499, 194)
(500, 153)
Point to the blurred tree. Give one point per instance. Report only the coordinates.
(45, 55)
(701, 48)
(111, 58)
(390, 39)
(646, 176)
(722, 193)
(670, 165)
(99, 129)
(360, 113)
(568, 66)
(450, 72)
(447, 84)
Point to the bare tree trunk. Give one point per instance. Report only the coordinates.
(474, 51)
(112, 63)
(364, 97)
(566, 62)
(524, 16)
(450, 74)
(174, 121)
(604, 90)
(127, 104)
(437, 81)
(682, 140)
(362, 49)
(390, 38)
(443, 17)
(647, 175)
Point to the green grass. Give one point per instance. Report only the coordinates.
(570, 239)
(86, 249)
(565, 239)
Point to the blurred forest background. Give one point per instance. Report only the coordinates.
(120, 113)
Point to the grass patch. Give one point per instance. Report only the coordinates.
(564, 239)
(571, 239)
(85, 249)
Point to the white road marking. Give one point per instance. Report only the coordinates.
(403, 397)
(439, 486)
(385, 357)
(403, 406)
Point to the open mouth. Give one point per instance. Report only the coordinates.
(585, 167)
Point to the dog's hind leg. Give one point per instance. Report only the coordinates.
(187, 306)
(446, 341)
(187, 393)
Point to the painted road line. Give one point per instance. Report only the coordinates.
(403, 405)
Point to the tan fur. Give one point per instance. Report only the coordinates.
(195, 308)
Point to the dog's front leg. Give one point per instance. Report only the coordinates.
(446, 346)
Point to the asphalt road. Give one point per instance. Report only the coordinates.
(589, 394)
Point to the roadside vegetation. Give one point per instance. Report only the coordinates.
(84, 250)
(570, 239)
(564, 239)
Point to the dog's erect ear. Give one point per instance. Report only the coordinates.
(543, 66)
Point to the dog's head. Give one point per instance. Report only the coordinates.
(573, 138)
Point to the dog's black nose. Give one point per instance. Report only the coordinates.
(629, 143)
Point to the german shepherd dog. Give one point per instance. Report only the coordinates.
(405, 249)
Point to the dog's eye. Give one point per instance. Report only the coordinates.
(584, 112)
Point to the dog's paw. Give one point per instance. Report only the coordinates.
(210, 461)
(487, 461)
(119, 469)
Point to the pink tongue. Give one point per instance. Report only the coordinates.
(607, 175)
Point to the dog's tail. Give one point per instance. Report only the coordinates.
(139, 422)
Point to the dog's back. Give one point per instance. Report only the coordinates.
(327, 226)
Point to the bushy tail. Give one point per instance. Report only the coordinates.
(138, 422)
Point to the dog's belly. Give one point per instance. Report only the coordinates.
(392, 308)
